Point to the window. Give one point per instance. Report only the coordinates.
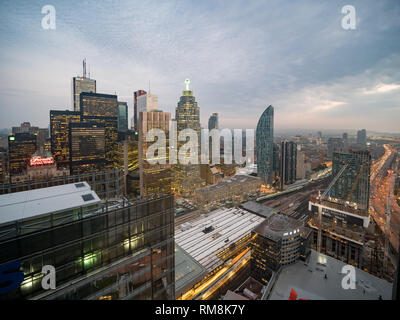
(87, 197)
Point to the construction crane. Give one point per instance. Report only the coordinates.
(323, 197)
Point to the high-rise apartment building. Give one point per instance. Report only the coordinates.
(362, 137)
(21, 147)
(354, 183)
(187, 178)
(136, 94)
(59, 135)
(288, 163)
(81, 84)
(154, 177)
(213, 122)
(99, 104)
(122, 116)
(265, 145)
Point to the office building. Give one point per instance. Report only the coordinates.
(288, 163)
(87, 146)
(79, 85)
(21, 147)
(362, 137)
(136, 94)
(122, 251)
(98, 104)
(353, 185)
(154, 178)
(59, 135)
(213, 122)
(25, 127)
(300, 165)
(122, 116)
(187, 178)
(265, 145)
(278, 241)
(146, 102)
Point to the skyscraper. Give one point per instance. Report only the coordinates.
(301, 165)
(334, 145)
(187, 115)
(79, 85)
(136, 94)
(353, 185)
(362, 137)
(87, 146)
(122, 116)
(146, 103)
(213, 122)
(59, 133)
(98, 104)
(154, 178)
(288, 162)
(265, 145)
(21, 147)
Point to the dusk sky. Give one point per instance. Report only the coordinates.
(240, 56)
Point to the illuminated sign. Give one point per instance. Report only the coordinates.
(11, 138)
(39, 161)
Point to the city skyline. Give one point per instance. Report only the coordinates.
(234, 63)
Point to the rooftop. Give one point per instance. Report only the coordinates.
(227, 227)
(259, 209)
(26, 205)
(308, 281)
(277, 226)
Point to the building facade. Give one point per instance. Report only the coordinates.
(136, 94)
(122, 116)
(98, 104)
(21, 147)
(288, 163)
(213, 122)
(265, 145)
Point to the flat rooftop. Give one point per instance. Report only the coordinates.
(278, 226)
(26, 205)
(228, 226)
(307, 279)
(259, 209)
(236, 179)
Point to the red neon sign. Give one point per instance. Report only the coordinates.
(39, 161)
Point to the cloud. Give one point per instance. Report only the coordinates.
(382, 88)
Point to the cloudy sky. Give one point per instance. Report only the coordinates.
(241, 56)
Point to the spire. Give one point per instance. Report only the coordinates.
(187, 82)
(84, 68)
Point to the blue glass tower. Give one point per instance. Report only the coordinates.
(265, 145)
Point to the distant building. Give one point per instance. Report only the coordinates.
(21, 147)
(122, 116)
(354, 184)
(213, 122)
(154, 178)
(136, 94)
(362, 137)
(334, 145)
(79, 85)
(288, 163)
(265, 145)
(59, 135)
(25, 127)
(146, 102)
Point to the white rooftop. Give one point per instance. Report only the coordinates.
(229, 225)
(28, 204)
(308, 281)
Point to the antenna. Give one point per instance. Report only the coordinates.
(84, 68)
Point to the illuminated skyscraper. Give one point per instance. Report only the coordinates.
(21, 147)
(154, 178)
(59, 133)
(265, 145)
(87, 146)
(79, 85)
(136, 94)
(122, 116)
(187, 178)
(99, 104)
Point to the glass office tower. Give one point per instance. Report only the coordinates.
(213, 122)
(99, 253)
(98, 104)
(136, 94)
(288, 163)
(122, 116)
(21, 147)
(79, 85)
(59, 135)
(265, 145)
